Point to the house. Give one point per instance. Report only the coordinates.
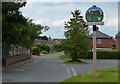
(39, 41)
(57, 41)
(103, 41)
(118, 40)
(48, 42)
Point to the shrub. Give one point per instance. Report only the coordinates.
(103, 55)
(35, 49)
(57, 47)
(43, 47)
(44, 52)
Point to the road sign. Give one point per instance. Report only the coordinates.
(94, 23)
(94, 14)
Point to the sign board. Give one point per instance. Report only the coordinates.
(94, 23)
(94, 14)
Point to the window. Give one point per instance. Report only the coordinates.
(99, 41)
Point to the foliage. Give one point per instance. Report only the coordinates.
(35, 49)
(76, 36)
(30, 33)
(43, 37)
(17, 29)
(100, 55)
(64, 57)
(103, 75)
(43, 47)
(57, 47)
(44, 52)
(12, 22)
(104, 55)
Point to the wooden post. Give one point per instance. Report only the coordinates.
(94, 51)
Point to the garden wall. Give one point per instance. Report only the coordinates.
(13, 59)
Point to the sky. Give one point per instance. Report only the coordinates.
(54, 14)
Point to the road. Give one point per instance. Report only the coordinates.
(49, 68)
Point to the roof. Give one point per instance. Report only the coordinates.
(100, 34)
(42, 41)
(117, 35)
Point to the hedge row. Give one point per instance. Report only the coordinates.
(104, 55)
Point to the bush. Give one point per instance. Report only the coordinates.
(43, 47)
(104, 55)
(57, 47)
(35, 49)
(44, 52)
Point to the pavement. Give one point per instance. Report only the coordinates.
(20, 63)
(49, 68)
(43, 69)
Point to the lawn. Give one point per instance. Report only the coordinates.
(103, 75)
(64, 57)
(68, 57)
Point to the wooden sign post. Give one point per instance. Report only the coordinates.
(94, 16)
(94, 51)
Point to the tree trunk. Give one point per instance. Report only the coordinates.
(75, 57)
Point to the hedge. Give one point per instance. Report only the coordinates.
(103, 55)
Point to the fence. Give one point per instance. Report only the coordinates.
(16, 50)
(16, 54)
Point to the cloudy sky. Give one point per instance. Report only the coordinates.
(54, 14)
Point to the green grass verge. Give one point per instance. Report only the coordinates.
(68, 57)
(64, 57)
(103, 75)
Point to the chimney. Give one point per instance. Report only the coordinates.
(97, 28)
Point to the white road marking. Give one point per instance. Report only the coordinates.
(67, 69)
(61, 61)
(68, 72)
(73, 71)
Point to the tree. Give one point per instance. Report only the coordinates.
(43, 47)
(57, 47)
(17, 29)
(12, 22)
(43, 37)
(30, 33)
(76, 36)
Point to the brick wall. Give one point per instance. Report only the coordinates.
(104, 43)
(118, 43)
(13, 59)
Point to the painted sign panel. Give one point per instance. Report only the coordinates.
(94, 14)
(94, 23)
